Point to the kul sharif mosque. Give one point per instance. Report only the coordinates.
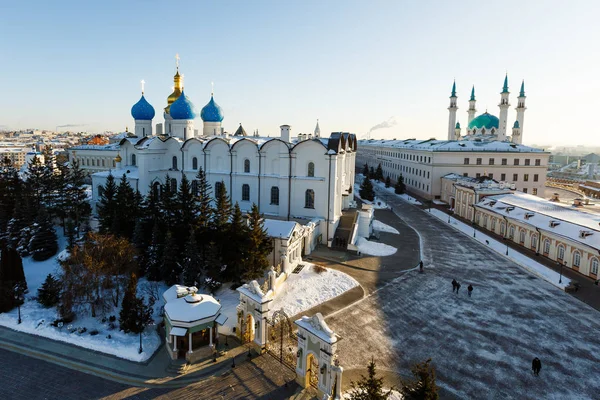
(487, 126)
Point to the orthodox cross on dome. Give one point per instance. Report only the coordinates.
(177, 61)
(143, 82)
(212, 88)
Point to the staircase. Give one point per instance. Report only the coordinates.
(177, 367)
(343, 233)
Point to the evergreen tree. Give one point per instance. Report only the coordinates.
(127, 209)
(127, 317)
(11, 188)
(35, 179)
(222, 211)
(366, 191)
(379, 173)
(107, 205)
(186, 212)
(259, 247)
(372, 173)
(369, 387)
(49, 292)
(388, 182)
(192, 262)
(424, 386)
(366, 170)
(52, 183)
(20, 226)
(154, 254)
(11, 275)
(237, 238)
(170, 267)
(400, 187)
(212, 264)
(205, 210)
(44, 243)
(168, 203)
(78, 205)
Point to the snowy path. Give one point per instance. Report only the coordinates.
(482, 346)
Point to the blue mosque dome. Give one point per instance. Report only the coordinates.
(211, 112)
(183, 108)
(142, 110)
(485, 120)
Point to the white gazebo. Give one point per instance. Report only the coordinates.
(191, 321)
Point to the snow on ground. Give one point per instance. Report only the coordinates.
(529, 264)
(36, 319)
(229, 300)
(375, 248)
(381, 227)
(439, 202)
(395, 395)
(309, 288)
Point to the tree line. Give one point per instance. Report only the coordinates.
(183, 234)
(367, 192)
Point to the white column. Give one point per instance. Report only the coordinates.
(210, 335)
(174, 343)
(190, 342)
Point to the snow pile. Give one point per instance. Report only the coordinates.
(377, 203)
(374, 248)
(229, 300)
(308, 289)
(531, 265)
(36, 319)
(381, 227)
(404, 196)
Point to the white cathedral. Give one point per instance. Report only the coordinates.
(307, 178)
(487, 127)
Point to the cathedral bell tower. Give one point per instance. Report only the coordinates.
(452, 117)
(504, 105)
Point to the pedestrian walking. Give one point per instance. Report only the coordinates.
(420, 266)
(470, 289)
(536, 366)
(457, 287)
(454, 283)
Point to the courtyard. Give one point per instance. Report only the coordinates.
(482, 346)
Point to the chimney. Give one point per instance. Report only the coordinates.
(285, 133)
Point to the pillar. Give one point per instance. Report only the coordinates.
(175, 343)
(337, 379)
(210, 336)
(190, 342)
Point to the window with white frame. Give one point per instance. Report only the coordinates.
(502, 228)
(546, 246)
(576, 259)
(561, 252)
(511, 232)
(493, 224)
(534, 241)
(594, 266)
(275, 195)
(522, 236)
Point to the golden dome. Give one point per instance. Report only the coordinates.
(118, 158)
(176, 91)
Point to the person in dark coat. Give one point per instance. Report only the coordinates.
(454, 283)
(536, 366)
(470, 289)
(457, 287)
(421, 266)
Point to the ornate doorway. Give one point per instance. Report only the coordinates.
(312, 373)
(248, 329)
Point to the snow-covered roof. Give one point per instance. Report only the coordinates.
(130, 171)
(190, 307)
(318, 327)
(453, 145)
(566, 221)
(111, 147)
(280, 229)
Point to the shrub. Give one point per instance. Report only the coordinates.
(49, 292)
(94, 332)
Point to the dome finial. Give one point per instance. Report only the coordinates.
(212, 89)
(143, 82)
(177, 61)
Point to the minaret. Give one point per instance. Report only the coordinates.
(503, 110)
(457, 131)
(317, 130)
(516, 133)
(452, 118)
(472, 110)
(521, 108)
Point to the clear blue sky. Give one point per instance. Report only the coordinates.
(352, 64)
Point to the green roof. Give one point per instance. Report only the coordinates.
(453, 90)
(485, 120)
(505, 87)
(472, 94)
(522, 93)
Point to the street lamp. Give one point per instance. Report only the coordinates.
(18, 292)
(140, 350)
(561, 267)
(474, 229)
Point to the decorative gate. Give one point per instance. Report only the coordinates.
(282, 343)
(314, 372)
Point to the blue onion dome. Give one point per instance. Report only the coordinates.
(142, 110)
(183, 108)
(485, 120)
(211, 112)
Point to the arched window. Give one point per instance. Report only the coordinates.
(156, 190)
(522, 236)
(561, 252)
(174, 162)
(195, 163)
(534, 242)
(173, 185)
(311, 169)
(485, 221)
(274, 195)
(100, 190)
(93, 162)
(245, 192)
(309, 199)
(103, 162)
(133, 160)
(576, 259)
(511, 232)
(195, 187)
(502, 228)
(594, 266)
(114, 164)
(494, 224)
(246, 165)
(546, 246)
(218, 188)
